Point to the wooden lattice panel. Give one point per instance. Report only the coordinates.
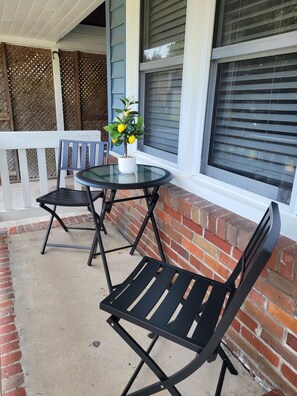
(30, 77)
(70, 90)
(93, 92)
(5, 124)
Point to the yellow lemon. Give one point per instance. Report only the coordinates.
(121, 127)
(131, 139)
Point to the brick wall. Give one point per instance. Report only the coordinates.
(203, 237)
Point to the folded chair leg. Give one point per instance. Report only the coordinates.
(93, 250)
(226, 364)
(225, 358)
(55, 215)
(144, 355)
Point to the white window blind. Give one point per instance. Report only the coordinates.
(162, 98)
(252, 19)
(164, 28)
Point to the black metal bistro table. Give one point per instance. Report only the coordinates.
(108, 178)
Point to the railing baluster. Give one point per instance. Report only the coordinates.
(42, 171)
(25, 178)
(4, 172)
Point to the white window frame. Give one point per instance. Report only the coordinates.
(197, 57)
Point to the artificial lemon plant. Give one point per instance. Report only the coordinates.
(127, 126)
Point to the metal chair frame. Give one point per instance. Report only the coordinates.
(74, 155)
(152, 297)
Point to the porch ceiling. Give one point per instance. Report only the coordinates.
(45, 20)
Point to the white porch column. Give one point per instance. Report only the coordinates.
(58, 89)
(132, 54)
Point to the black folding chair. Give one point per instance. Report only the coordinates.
(74, 155)
(152, 297)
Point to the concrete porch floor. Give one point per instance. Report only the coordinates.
(67, 347)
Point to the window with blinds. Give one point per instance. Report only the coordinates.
(162, 98)
(246, 20)
(164, 29)
(251, 140)
(163, 24)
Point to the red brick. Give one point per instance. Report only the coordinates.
(247, 321)
(245, 233)
(11, 358)
(275, 392)
(4, 275)
(185, 231)
(192, 248)
(283, 317)
(231, 234)
(264, 319)
(10, 347)
(236, 325)
(292, 341)
(165, 217)
(6, 304)
(275, 295)
(204, 213)
(283, 284)
(177, 237)
(6, 320)
(8, 337)
(257, 298)
(7, 329)
(185, 265)
(170, 253)
(191, 205)
(276, 377)
(226, 260)
(6, 311)
(236, 253)
(221, 244)
(216, 267)
(213, 217)
(165, 238)
(11, 370)
(196, 209)
(221, 227)
(173, 213)
(289, 374)
(279, 348)
(201, 267)
(205, 245)
(193, 226)
(16, 392)
(260, 347)
(181, 251)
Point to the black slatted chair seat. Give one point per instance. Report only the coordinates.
(153, 297)
(68, 197)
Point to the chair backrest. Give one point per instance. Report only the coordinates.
(75, 155)
(248, 269)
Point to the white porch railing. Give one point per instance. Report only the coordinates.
(21, 141)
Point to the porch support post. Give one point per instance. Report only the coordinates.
(58, 89)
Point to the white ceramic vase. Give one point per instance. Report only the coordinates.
(127, 164)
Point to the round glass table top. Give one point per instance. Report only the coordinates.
(109, 177)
